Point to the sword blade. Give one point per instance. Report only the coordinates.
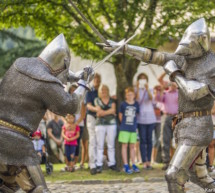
(112, 53)
(89, 23)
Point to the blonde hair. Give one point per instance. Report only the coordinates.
(100, 90)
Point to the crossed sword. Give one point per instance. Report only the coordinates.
(121, 43)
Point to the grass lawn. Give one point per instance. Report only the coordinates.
(106, 175)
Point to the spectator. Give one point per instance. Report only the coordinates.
(156, 132)
(91, 121)
(169, 99)
(54, 128)
(211, 154)
(70, 133)
(42, 127)
(146, 118)
(127, 135)
(105, 127)
(39, 144)
(80, 122)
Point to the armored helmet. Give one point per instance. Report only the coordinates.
(56, 55)
(195, 41)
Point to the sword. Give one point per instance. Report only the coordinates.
(89, 23)
(122, 43)
(81, 74)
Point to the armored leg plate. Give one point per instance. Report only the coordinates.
(177, 172)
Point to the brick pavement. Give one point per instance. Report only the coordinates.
(138, 186)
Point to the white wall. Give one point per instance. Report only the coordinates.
(108, 75)
(106, 70)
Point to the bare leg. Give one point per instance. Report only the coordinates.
(154, 154)
(132, 152)
(124, 153)
(84, 151)
(211, 152)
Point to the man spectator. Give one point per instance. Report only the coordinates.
(156, 131)
(54, 129)
(169, 98)
(91, 120)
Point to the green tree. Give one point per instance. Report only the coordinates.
(154, 20)
(15, 43)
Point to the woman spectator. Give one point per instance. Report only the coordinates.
(105, 126)
(146, 118)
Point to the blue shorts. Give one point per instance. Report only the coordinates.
(70, 151)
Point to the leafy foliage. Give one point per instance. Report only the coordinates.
(14, 46)
(155, 21)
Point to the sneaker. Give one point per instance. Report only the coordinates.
(76, 167)
(127, 170)
(81, 166)
(114, 168)
(63, 169)
(93, 171)
(211, 169)
(135, 169)
(99, 169)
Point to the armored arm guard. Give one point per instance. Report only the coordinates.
(152, 56)
(192, 89)
(58, 101)
(146, 55)
(86, 74)
(74, 76)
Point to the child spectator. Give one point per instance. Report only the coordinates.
(39, 144)
(70, 133)
(127, 135)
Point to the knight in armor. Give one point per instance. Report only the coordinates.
(28, 89)
(192, 67)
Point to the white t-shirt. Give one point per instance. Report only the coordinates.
(38, 144)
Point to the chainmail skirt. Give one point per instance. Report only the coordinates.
(16, 149)
(194, 131)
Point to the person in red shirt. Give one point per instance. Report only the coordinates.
(70, 133)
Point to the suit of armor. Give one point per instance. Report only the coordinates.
(192, 67)
(28, 89)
